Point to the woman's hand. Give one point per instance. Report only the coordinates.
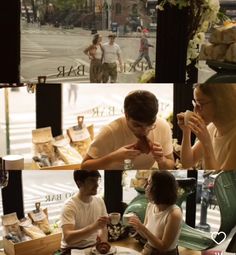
(180, 121)
(135, 222)
(199, 128)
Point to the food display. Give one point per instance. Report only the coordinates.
(80, 136)
(140, 180)
(225, 34)
(40, 219)
(143, 144)
(43, 146)
(11, 227)
(222, 44)
(53, 151)
(28, 228)
(65, 151)
(31, 230)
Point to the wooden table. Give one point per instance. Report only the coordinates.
(134, 244)
(129, 243)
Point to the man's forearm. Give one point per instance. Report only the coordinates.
(103, 234)
(99, 163)
(120, 61)
(74, 236)
(166, 164)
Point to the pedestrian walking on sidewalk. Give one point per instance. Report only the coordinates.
(95, 54)
(144, 50)
(112, 53)
(72, 92)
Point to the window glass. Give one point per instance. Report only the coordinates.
(17, 119)
(52, 188)
(100, 104)
(55, 34)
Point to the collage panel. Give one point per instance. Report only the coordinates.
(129, 126)
(189, 212)
(173, 143)
(68, 42)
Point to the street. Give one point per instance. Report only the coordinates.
(58, 54)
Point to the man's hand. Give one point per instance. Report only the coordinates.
(125, 152)
(101, 222)
(157, 152)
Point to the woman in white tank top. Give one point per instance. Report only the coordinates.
(163, 219)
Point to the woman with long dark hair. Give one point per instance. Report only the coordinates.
(163, 219)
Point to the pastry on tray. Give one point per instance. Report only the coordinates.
(103, 248)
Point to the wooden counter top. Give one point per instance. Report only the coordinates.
(128, 243)
(134, 244)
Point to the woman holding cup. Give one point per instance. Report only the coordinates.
(163, 218)
(214, 124)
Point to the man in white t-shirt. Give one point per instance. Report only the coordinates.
(111, 53)
(117, 141)
(84, 216)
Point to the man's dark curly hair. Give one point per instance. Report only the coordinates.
(163, 188)
(82, 175)
(142, 106)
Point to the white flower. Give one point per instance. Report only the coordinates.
(214, 5)
(210, 9)
(160, 7)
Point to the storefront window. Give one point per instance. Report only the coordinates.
(17, 119)
(52, 188)
(53, 40)
(100, 104)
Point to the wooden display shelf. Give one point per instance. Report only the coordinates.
(41, 246)
(35, 166)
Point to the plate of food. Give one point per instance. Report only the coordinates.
(103, 248)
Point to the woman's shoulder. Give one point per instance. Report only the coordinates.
(176, 212)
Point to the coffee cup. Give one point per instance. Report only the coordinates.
(187, 116)
(126, 218)
(114, 218)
